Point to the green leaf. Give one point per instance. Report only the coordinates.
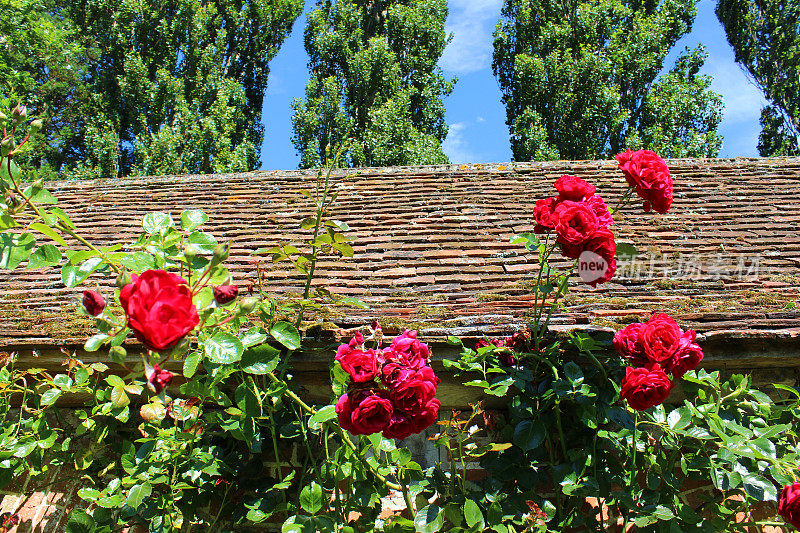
(94, 342)
(40, 195)
(203, 241)
(138, 261)
(345, 249)
(252, 337)
(191, 219)
(321, 416)
(50, 396)
(190, 363)
(308, 223)
(61, 215)
(286, 334)
(223, 348)
(72, 276)
(138, 493)
(261, 359)
(429, 519)
(528, 435)
(157, 223)
(759, 487)
(49, 232)
(45, 256)
(311, 498)
(115, 381)
(473, 514)
(6, 222)
(679, 418)
(119, 398)
(14, 249)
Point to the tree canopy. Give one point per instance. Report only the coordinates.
(580, 79)
(765, 36)
(158, 87)
(374, 79)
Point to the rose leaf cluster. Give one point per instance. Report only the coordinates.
(654, 349)
(392, 389)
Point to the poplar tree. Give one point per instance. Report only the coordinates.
(765, 36)
(374, 81)
(580, 80)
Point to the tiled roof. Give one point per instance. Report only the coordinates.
(432, 246)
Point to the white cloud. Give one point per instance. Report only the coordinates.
(480, 119)
(455, 146)
(743, 100)
(472, 23)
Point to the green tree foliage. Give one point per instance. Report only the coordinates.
(42, 65)
(163, 87)
(580, 80)
(374, 79)
(765, 36)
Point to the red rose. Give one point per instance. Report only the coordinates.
(661, 338)
(645, 387)
(157, 378)
(686, 357)
(576, 223)
(507, 358)
(519, 340)
(628, 343)
(425, 415)
(225, 294)
(600, 264)
(361, 365)
(544, 214)
(649, 175)
(600, 209)
(393, 374)
(789, 504)
(573, 188)
(159, 308)
(407, 350)
(364, 411)
(416, 391)
(400, 426)
(93, 303)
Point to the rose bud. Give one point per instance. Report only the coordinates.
(124, 278)
(3, 119)
(36, 126)
(93, 303)
(247, 305)
(225, 294)
(19, 114)
(117, 354)
(157, 378)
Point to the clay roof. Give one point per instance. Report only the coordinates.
(432, 246)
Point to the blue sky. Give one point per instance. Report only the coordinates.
(478, 133)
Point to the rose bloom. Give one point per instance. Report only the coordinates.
(361, 365)
(159, 308)
(649, 175)
(603, 244)
(545, 215)
(686, 357)
(645, 387)
(425, 415)
(364, 411)
(157, 378)
(576, 223)
(93, 303)
(628, 343)
(407, 350)
(400, 426)
(573, 188)
(415, 391)
(789, 504)
(600, 209)
(393, 374)
(661, 338)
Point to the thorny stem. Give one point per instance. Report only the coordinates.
(349, 443)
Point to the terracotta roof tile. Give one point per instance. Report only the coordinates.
(432, 245)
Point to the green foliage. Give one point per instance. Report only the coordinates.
(580, 80)
(766, 42)
(374, 79)
(143, 88)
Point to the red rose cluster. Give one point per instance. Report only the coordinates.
(581, 221)
(393, 388)
(789, 504)
(654, 349)
(649, 175)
